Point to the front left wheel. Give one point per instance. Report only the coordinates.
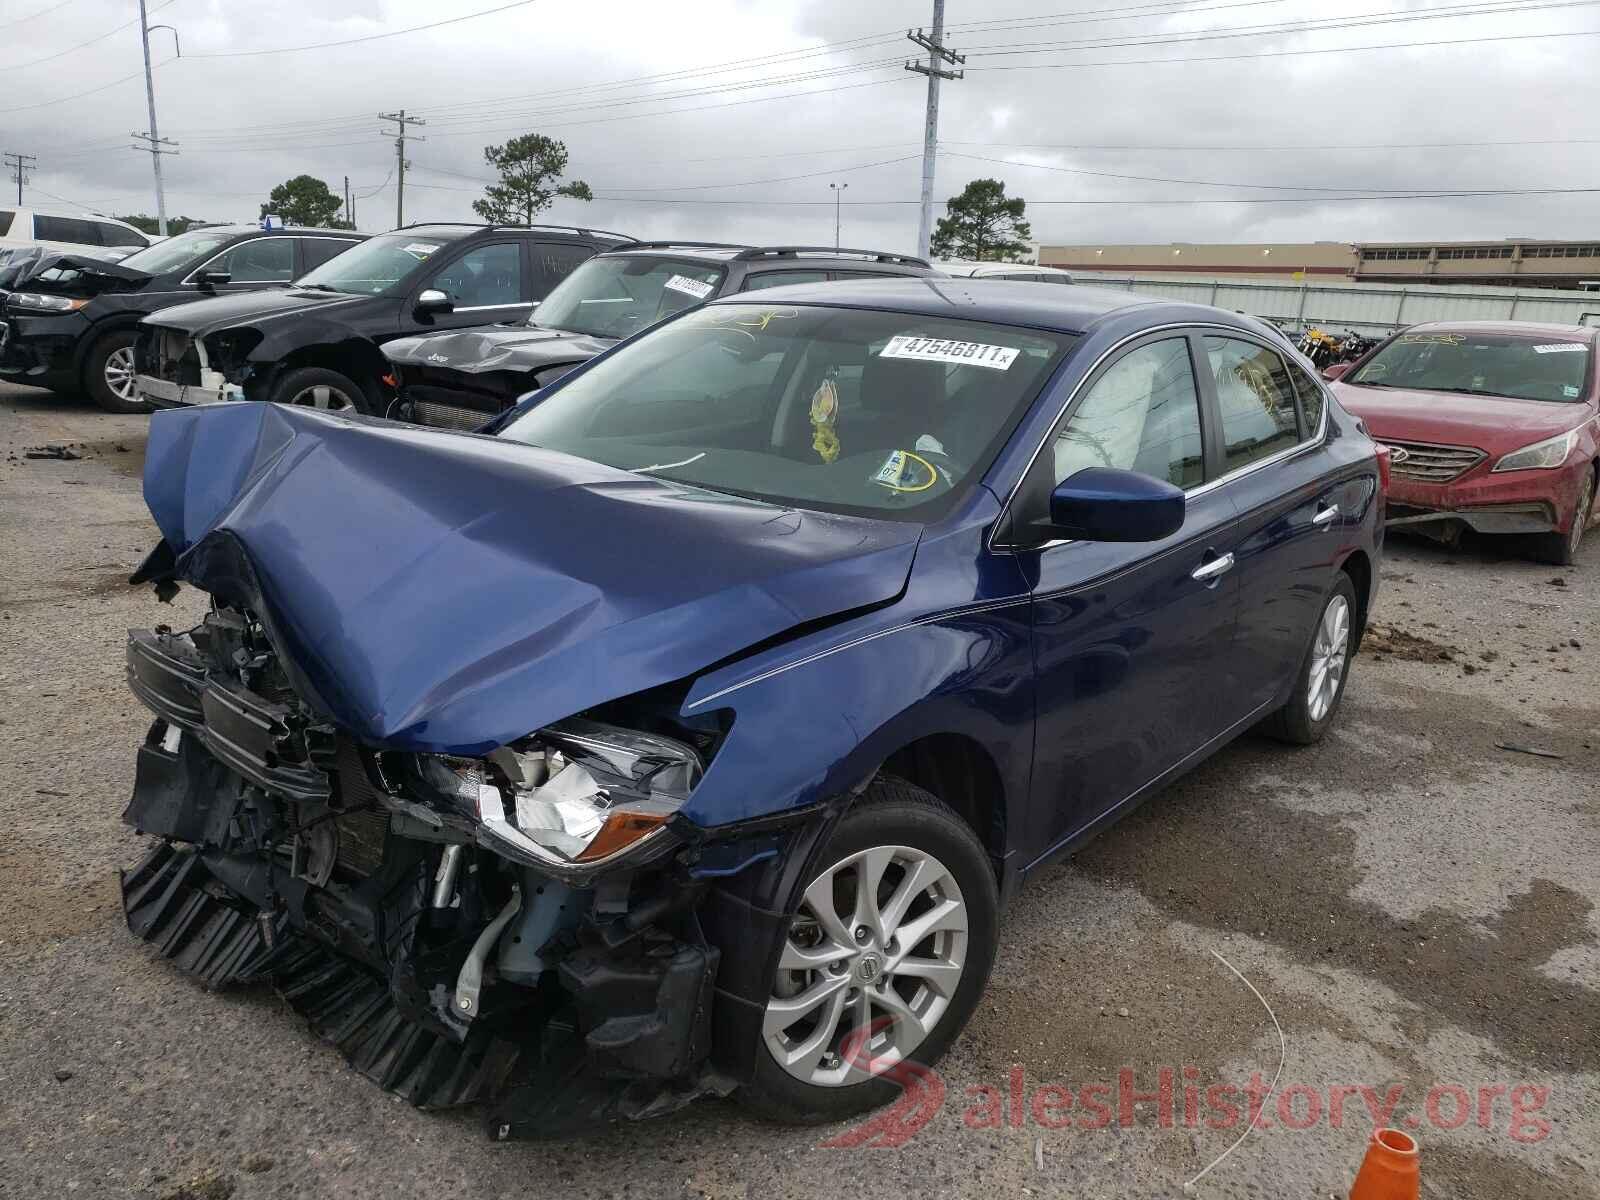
(318, 387)
(108, 373)
(1561, 549)
(883, 962)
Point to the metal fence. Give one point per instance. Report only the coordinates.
(1374, 308)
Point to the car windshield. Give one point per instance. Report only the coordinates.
(178, 251)
(617, 295)
(373, 266)
(1514, 366)
(875, 413)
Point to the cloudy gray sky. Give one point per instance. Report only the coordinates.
(1072, 95)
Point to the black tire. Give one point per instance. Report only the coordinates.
(891, 812)
(1561, 549)
(304, 384)
(1297, 722)
(112, 350)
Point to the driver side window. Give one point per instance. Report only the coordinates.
(487, 277)
(1142, 414)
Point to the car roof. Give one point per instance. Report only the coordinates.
(1067, 308)
(959, 267)
(772, 256)
(1531, 328)
(244, 230)
(456, 230)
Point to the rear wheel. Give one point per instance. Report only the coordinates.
(883, 962)
(1561, 549)
(318, 387)
(108, 373)
(1319, 687)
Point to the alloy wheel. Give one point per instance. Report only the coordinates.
(879, 944)
(119, 373)
(1328, 657)
(324, 396)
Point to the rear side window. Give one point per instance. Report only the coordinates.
(1142, 414)
(317, 251)
(66, 229)
(1256, 400)
(553, 262)
(5, 222)
(1310, 392)
(116, 235)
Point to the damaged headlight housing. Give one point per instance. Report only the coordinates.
(44, 302)
(574, 796)
(1551, 452)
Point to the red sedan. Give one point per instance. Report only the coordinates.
(1494, 426)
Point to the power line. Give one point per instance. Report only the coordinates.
(81, 45)
(43, 12)
(371, 37)
(76, 95)
(1139, 201)
(1298, 148)
(1143, 62)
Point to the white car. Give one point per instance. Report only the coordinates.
(25, 227)
(999, 270)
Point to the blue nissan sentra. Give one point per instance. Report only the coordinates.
(686, 731)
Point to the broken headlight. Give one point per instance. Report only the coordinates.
(574, 795)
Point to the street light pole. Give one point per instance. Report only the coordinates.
(838, 196)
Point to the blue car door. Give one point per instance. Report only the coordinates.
(1132, 641)
(1271, 426)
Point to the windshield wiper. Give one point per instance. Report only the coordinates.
(320, 287)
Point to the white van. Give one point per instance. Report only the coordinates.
(25, 227)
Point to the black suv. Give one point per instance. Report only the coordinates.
(317, 343)
(71, 323)
(461, 380)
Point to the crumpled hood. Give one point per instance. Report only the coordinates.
(204, 317)
(450, 593)
(84, 275)
(496, 348)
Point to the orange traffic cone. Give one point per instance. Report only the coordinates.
(1390, 1170)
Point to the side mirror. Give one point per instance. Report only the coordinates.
(432, 300)
(211, 279)
(1103, 504)
(1336, 370)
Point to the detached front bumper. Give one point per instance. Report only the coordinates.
(1508, 502)
(163, 393)
(447, 975)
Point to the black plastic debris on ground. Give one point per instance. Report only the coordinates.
(64, 453)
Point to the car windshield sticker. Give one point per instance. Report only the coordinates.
(1561, 348)
(904, 471)
(824, 411)
(744, 322)
(692, 287)
(972, 354)
(1570, 392)
(1437, 339)
(420, 249)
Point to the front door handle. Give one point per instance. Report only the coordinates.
(1215, 569)
(1325, 515)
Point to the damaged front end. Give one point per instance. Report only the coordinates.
(521, 930)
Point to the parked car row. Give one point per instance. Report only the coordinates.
(684, 730)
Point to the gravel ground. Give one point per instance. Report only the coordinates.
(1415, 903)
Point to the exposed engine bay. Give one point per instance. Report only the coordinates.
(530, 930)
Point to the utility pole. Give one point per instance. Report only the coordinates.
(937, 54)
(153, 139)
(838, 196)
(22, 162)
(349, 220)
(402, 120)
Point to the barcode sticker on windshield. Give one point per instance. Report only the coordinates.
(972, 354)
(692, 287)
(420, 249)
(1561, 348)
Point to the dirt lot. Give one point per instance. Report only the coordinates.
(1414, 901)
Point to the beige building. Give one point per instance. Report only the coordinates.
(1514, 263)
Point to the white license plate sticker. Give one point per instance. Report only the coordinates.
(690, 287)
(1561, 348)
(945, 350)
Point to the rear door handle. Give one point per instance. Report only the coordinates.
(1325, 515)
(1216, 568)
